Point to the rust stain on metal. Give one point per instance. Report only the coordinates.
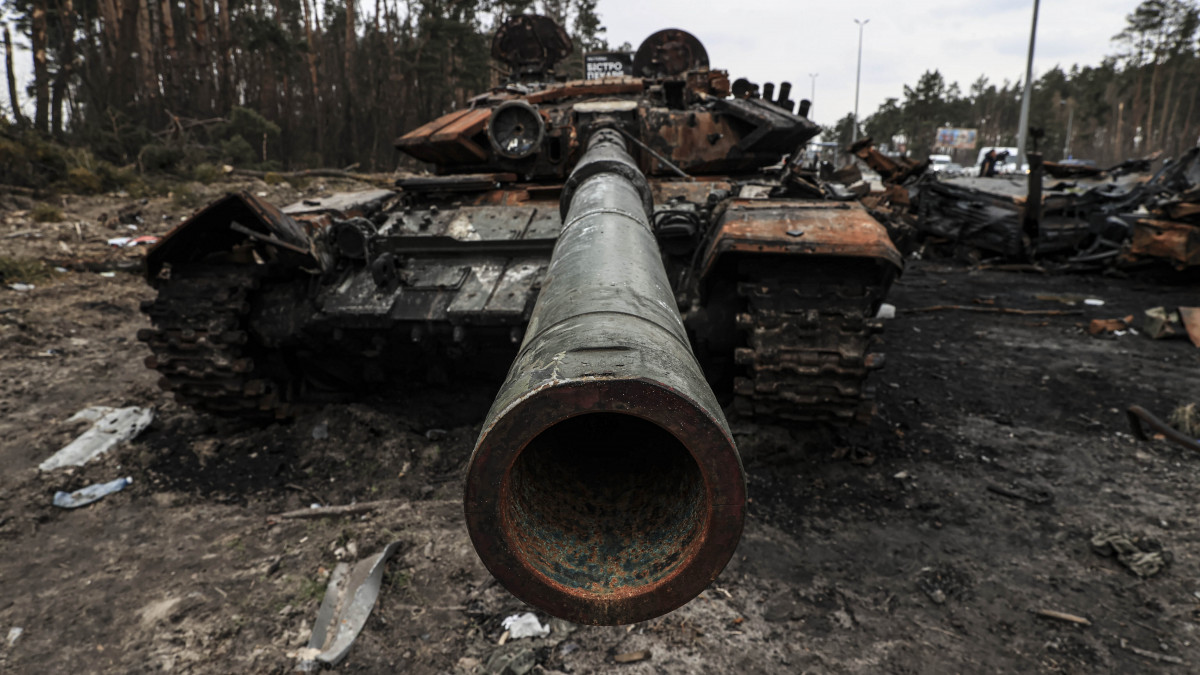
(829, 228)
(602, 87)
(1177, 242)
(448, 138)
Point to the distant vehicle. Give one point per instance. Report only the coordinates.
(1090, 163)
(944, 166)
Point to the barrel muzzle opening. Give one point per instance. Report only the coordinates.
(604, 504)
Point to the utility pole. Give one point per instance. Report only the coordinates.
(1023, 130)
(858, 78)
(812, 97)
(1070, 120)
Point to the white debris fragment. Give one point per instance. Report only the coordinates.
(886, 311)
(22, 287)
(524, 625)
(112, 427)
(1094, 302)
(91, 493)
(14, 634)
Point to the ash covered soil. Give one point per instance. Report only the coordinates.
(903, 547)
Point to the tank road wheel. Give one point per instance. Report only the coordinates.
(202, 346)
(807, 332)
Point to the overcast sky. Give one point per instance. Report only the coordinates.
(776, 40)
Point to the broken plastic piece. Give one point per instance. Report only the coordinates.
(112, 427)
(524, 625)
(345, 608)
(91, 493)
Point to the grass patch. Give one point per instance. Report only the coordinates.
(46, 213)
(24, 270)
(309, 590)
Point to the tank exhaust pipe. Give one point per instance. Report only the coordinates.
(605, 487)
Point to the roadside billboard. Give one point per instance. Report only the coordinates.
(959, 139)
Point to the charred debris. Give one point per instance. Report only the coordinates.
(1063, 217)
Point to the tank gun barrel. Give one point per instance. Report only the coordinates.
(605, 486)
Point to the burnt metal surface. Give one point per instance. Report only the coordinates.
(605, 487)
(1069, 217)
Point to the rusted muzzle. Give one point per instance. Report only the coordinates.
(605, 487)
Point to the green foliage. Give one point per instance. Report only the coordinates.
(248, 124)
(184, 198)
(46, 213)
(84, 181)
(206, 173)
(237, 151)
(1141, 100)
(24, 270)
(156, 157)
(28, 159)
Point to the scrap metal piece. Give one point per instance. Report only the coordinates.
(1137, 415)
(1176, 242)
(344, 610)
(1190, 316)
(112, 427)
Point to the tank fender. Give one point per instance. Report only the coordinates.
(227, 223)
(840, 229)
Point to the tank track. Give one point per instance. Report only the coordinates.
(807, 337)
(200, 341)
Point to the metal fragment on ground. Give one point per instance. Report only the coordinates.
(347, 605)
(91, 493)
(1190, 316)
(112, 427)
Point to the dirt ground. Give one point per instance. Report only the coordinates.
(904, 547)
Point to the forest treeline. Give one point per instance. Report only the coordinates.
(1141, 99)
(183, 86)
(170, 85)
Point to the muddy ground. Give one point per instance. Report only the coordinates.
(899, 548)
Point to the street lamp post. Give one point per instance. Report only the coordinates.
(858, 79)
(812, 98)
(1023, 129)
(1070, 119)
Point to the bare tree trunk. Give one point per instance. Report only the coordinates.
(1187, 120)
(110, 18)
(350, 107)
(170, 59)
(225, 44)
(66, 66)
(41, 74)
(319, 130)
(146, 60)
(1149, 132)
(199, 68)
(12, 79)
(1163, 129)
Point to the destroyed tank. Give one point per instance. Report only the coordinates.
(645, 249)
(776, 275)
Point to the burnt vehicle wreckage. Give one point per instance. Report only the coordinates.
(654, 240)
(1125, 217)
